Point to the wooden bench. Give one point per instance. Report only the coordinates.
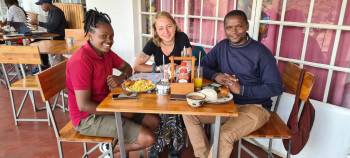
(52, 82)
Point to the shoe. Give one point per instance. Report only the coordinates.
(104, 148)
(35, 70)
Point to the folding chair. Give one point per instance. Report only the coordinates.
(275, 128)
(21, 55)
(52, 82)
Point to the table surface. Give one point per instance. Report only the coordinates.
(57, 46)
(3, 37)
(152, 103)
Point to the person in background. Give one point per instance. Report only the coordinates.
(89, 80)
(167, 41)
(15, 13)
(56, 23)
(250, 72)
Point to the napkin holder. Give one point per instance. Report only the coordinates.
(181, 88)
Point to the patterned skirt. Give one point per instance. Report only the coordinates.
(171, 132)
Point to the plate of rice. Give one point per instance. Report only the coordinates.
(138, 86)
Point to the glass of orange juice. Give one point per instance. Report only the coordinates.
(198, 78)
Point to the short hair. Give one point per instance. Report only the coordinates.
(156, 39)
(239, 13)
(93, 17)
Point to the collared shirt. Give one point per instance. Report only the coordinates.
(88, 71)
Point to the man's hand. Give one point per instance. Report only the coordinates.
(115, 81)
(220, 78)
(232, 82)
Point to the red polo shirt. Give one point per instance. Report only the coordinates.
(88, 71)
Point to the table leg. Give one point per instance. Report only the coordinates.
(120, 134)
(216, 136)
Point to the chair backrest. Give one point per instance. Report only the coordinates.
(290, 78)
(74, 14)
(52, 80)
(77, 34)
(196, 50)
(19, 55)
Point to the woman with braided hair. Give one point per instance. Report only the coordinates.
(89, 78)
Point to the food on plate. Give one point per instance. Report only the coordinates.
(210, 94)
(128, 83)
(223, 91)
(196, 97)
(141, 85)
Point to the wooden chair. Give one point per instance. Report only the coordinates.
(76, 34)
(74, 14)
(275, 128)
(20, 55)
(51, 82)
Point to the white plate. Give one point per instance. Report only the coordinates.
(226, 99)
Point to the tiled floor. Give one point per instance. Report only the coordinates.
(37, 139)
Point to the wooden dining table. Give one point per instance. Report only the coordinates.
(57, 47)
(157, 104)
(41, 36)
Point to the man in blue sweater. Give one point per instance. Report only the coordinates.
(249, 70)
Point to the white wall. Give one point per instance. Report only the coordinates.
(330, 136)
(125, 24)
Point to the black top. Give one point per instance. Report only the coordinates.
(181, 41)
(253, 64)
(56, 22)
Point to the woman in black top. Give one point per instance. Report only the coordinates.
(168, 41)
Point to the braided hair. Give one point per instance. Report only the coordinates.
(93, 17)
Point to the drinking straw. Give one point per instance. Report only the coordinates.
(199, 62)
